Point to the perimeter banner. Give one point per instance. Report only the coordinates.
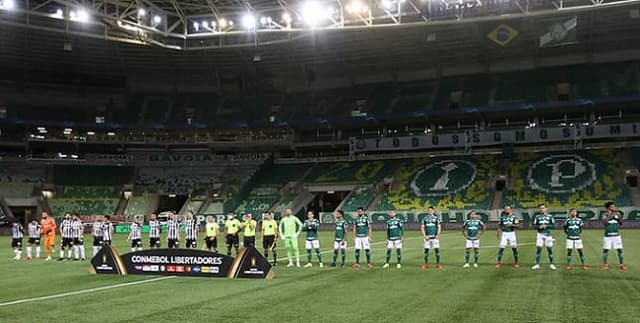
(182, 262)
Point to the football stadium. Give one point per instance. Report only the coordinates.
(320, 161)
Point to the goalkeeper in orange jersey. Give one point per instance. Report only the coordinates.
(48, 227)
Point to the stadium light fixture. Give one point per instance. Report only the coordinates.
(91, 133)
(356, 8)
(387, 4)
(249, 21)
(157, 19)
(286, 17)
(313, 13)
(222, 23)
(196, 26)
(80, 16)
(59, 14)
(142, 12)
(7, 4)
(205, 24)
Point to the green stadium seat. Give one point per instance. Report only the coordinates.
(360, 197)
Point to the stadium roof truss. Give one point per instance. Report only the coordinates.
(211, 24)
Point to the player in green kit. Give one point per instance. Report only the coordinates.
(507, 235)
(362, 233)
(573, 227)
(395, 231)
(290, 227)
(472, 229)
(431, 228)
(612, 222)
(340, 240)
(311, 226)
(544, 223)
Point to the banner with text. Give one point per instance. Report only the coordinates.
(492, 138)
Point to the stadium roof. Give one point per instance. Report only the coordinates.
(113, 38)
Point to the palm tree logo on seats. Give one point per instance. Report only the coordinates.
(444, 177)
(443, 181)
(561, 174)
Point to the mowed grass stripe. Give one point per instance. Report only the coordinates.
(347, 295)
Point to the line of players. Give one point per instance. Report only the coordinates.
(290, 228)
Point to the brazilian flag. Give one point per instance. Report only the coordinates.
(503, 34)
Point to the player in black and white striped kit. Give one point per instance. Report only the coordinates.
(77, 228)
(96, 232)
(66, 230)
(17, 233)
(173, 232)
(135, 235)
(107, 231)
(34, 238)
(154, 232)
(191, 231)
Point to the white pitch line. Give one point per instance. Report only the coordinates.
(84, 291)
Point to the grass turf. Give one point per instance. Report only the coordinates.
(327, 294)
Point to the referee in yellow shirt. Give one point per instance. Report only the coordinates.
(211, 231)
(231, 229)
(249, 225)
(270, 236)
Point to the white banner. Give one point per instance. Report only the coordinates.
(492, 138)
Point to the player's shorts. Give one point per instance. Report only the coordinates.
(50, 240)
(362, 243)
(394, 244)
(16, 243)
(97, 241)
(269, 242)
(432, 243)
(78, 241)
(154, 242)
(35, 241)
(173, 243)
(211, 242)
(249, 242)
(136, 243)
(191, 243)
(312, 244)
(67, 242)
(232, 240)
(508, 238)
(106, 242)
(472, 243)
(544, 240)
(574, 243)
(614, 242)
(340, 245)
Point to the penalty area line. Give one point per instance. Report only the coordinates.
(84, 291)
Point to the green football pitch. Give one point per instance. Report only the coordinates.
(39, 291)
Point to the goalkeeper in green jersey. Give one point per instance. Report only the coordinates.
(290, 227)
(395, 231)
(311, 226)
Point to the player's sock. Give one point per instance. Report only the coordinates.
(605, 256)
(476, 256)
(95, 250)
(319, 255)
(61, 253)
(516, 255)
(437, 255)
(500, 253)
(367, 252)
(37, 251)
(357, 256)
(387, 257)
(69, 253)
(47, 251)
(399, 255)
(620, 256)
(343, 255)
(290, 255)
(466, 257)
(17, 252)
(538, 255)
(426, 255)
(76, 252)
(309, 255)
(550, 254)
(82, 252)
(581, 253)
(569, 252)
(335, 255)
(275, 257)
(296, 253)
(28, 251)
